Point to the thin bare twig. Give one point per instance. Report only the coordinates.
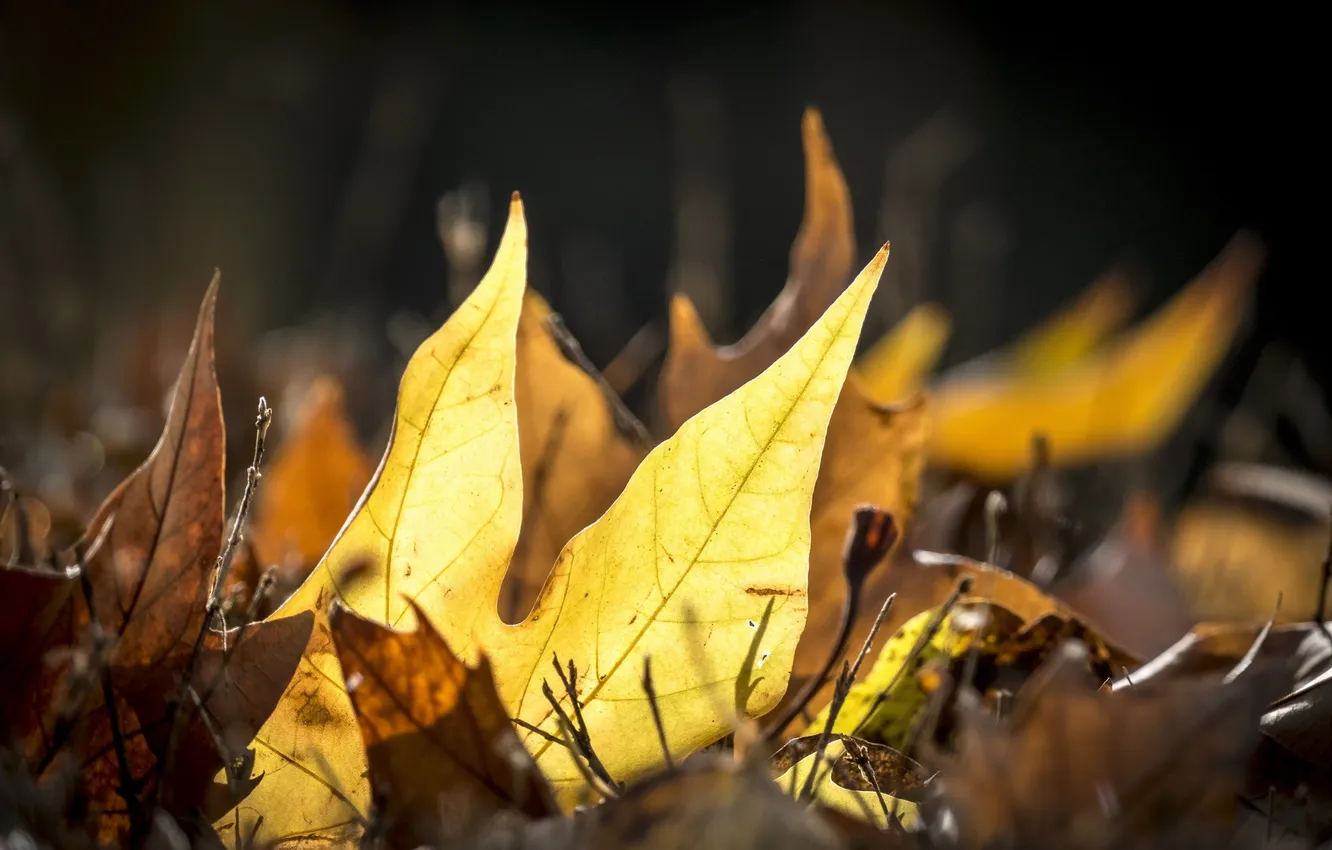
(576, 723)
(627, 423)
(860, 757)
(834, 708)
(538, 730)
(656, 711)
(571, 744)
(263, 418)
(261, 591)
(873, 632)
(870, 537)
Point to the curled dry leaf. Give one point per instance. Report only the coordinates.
(1073, 766)
(1121, 401)
(443, 754)
(575, 458)
(926, 579)
(726, 539)
(857, 799)
(316, 475)
(874, 452)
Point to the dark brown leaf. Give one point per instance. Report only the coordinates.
(1075, 766)
(158, 534)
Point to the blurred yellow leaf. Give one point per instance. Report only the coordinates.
(1077, 330)
(1121, 401)
(902, 360)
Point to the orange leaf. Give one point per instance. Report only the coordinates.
(312, 484)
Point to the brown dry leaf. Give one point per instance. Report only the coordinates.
(874, 453)
(897, 775)
(152, 545)
(924, 580)
(575, 458)
(1074, 767)
(238, 679)
(443, 755)
(696, 373)
(39, 617)
(148, 551)
(708, 805)
(313, 482)
(1126, 585)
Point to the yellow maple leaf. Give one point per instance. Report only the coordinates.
(441, 513)
(711, 529)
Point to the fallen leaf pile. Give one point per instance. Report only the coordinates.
(539, 622)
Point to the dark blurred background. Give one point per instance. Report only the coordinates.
(303, 148)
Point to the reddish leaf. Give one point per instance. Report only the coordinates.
(158, 534)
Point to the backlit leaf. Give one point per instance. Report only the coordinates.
(436, 526)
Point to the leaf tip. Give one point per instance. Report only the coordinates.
(686, 327)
